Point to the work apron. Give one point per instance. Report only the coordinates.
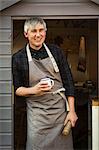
(46, 113)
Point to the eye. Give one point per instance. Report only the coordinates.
(41, 30)
(33, 31)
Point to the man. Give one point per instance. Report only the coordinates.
(46, 107)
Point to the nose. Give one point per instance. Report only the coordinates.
(38, 34)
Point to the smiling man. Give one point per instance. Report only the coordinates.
(36, 34)
(46, 107)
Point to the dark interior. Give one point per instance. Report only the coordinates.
(66, 34)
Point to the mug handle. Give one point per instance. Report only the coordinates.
(52, 82)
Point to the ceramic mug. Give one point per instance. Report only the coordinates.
(48, 81)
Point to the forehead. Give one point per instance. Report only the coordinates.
(36, 26)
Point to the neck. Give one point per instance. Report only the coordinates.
(35, 47)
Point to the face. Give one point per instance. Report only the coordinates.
(36, 36)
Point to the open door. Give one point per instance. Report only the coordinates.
(66, 33)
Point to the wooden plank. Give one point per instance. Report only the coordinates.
(6, 148)
(5, 113)
(5, 87)
(5, 126)
(5, 100)
(5, 74)
(5, 61)
(5, 48)
(5, 22)
(5, 139)
(5, 35)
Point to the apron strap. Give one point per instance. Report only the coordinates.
(49, 54)
(52, 58)
(63, 96)
(60, 91)
(28, 53)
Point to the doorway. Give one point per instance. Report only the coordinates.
(66, 33)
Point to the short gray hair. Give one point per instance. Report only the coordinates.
(33, 22)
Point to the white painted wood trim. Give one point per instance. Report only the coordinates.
(95, 125)
(56, 17)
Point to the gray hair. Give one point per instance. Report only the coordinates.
(33, 22)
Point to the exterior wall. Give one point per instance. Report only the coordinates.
(5, 84)
(55, 8)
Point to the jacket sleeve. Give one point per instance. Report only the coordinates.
(16, 72)
(20, 75)
(20, 69)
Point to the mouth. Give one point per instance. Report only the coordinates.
(38, 40)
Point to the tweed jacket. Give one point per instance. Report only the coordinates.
(20, 69)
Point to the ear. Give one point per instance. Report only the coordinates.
(25, 34)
